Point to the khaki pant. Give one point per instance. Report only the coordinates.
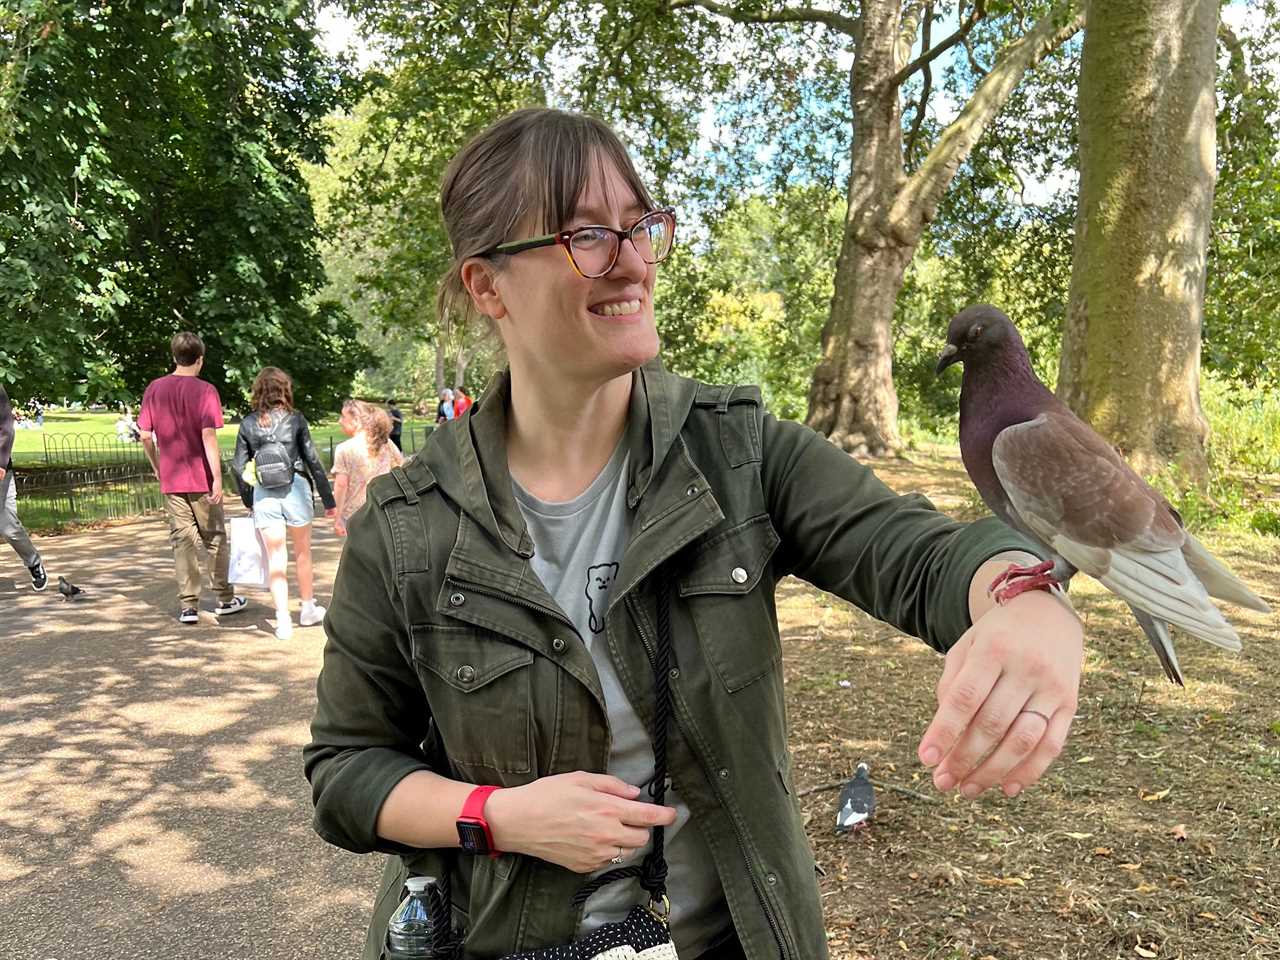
(193, 521)
(10, 528)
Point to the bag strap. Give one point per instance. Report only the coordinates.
(652, 871)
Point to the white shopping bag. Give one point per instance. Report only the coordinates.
(248, 565)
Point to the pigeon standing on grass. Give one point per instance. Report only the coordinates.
(68, 589)
(857, 802)
(1044, 472)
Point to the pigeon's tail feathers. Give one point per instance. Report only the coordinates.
(1158, 633)
(1217, 579)
(1138, 577)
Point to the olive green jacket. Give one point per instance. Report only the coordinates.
(446, 653)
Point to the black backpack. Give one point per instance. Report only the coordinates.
(274, 465)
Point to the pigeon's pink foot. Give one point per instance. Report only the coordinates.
(1037, 581)
(1021, 579)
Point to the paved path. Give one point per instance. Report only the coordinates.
(152, 802)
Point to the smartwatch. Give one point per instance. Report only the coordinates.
(473, 830)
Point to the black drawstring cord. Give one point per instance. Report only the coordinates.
(652, 871)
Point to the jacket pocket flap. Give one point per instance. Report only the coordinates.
(464, 659)
(732, 561)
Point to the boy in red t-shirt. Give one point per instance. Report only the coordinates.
(179, 421)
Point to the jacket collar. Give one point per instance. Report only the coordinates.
(466, 451)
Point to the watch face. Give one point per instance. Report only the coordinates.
(472, 837)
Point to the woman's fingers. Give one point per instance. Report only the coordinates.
(1023, 737)
(958, 704)
(989, 726)
(1033, 767)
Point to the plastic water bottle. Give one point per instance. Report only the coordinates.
(412, 932)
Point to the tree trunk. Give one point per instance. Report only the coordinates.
(852, 399)
(1131, 346)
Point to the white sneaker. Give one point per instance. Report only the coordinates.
(284, 625)
(312, 613)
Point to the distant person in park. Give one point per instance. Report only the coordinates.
(10, 527)
(278, 489)
(368, 454)
(179, 423)
(397, 421)
(444, 411)
(489, 708)
(126, 428)
(461, 402)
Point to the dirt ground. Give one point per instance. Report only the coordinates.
(1156, 833)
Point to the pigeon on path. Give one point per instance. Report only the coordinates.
(1046, 473)
(857, 802)
(68, 589)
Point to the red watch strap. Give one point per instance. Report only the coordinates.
(473, 808)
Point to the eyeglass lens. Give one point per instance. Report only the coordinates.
(595, 251)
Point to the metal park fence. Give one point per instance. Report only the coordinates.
(48, 499)
(91, 450)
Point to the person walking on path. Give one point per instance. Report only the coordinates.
(461, 402)
(488, 709)
(397, 422)
(179, 423)
(10, 527)
(444, 411)
(276, 437)
(368, 454)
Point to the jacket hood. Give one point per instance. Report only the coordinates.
(463, 452)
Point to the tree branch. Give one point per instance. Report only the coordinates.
(917, 201)
(926, 86)
(926, 58)
(1235, 47)
(849, 26)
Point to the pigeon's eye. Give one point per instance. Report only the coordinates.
(975, 331)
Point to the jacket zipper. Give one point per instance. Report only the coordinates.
(651, 653)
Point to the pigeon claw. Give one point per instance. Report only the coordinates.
(1038, 581)
(1016, 572)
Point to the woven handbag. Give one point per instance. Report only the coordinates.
(644, 933)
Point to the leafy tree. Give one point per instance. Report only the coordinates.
(150, 183)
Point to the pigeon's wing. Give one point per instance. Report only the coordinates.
(1076, 493)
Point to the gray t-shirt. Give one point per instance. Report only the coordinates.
(578, 549)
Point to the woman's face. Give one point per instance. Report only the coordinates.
(348, 423)
(566, 326)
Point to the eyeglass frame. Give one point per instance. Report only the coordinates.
(565, 237)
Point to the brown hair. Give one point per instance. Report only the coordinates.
(186, 348)
(272, 388)
(529, 167)
(374, 421)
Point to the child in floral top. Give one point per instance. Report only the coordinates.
(367, 454)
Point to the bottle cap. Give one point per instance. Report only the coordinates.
(418, 884)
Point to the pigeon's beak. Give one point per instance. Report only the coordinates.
(950, 354)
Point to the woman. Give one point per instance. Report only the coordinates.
(276, 430)
(494, 614)
(368, 454)
(444, 409)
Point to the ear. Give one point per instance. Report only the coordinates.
(481, 281)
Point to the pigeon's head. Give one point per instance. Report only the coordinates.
(976, 333)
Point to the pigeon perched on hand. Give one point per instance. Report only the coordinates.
(68, 590)
(857, 802)
(1046, 473)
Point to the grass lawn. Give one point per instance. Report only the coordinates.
(28, 447)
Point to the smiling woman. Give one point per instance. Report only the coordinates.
(579, 574)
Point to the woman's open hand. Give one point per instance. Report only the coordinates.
(577, 820)
(1007, 697)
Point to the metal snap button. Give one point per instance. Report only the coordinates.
(724, 773)
(674, 673)
(456, 599)
(466, 673)
(739, 575)
(692, 491)
(558, 645)
(771, 879)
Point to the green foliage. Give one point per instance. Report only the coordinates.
(149, 182)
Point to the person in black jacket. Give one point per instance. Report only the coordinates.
(277, 433)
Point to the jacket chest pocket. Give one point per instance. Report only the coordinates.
(480, 691)
(730, 598)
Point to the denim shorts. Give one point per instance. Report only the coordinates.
(291, 505)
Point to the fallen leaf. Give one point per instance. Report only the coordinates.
(1130, 866)
(1002, 881)
(1142, 951)
(1144, 888)
(1079, 836)
(1085, 760)
(1102, 851)
(1152, 797)
(1179, 832)
(1207, 916)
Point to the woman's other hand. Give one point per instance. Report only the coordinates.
(339, 527)
(1007, 696)
(577, 820)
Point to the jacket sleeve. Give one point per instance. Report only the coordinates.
(311, 456)
(372, 716)
(844, 531)
(6, 430)
(240, 460)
